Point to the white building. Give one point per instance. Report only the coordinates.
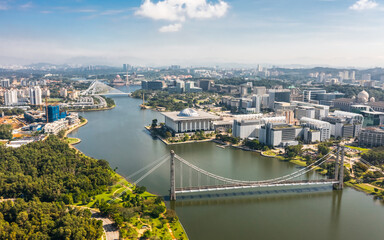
(63, 92)
(56, 127)
(10, 97)
(323, 127)
(321, 111)
(35, 95)
(249, 128)
(189, 120)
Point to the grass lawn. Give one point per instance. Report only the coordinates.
(55, 100)
(269, 153)
(299, 162)
(358, 148)
(73, 140)
(362, 186)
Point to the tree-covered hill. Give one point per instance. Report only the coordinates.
(37, 220)
(51, 171)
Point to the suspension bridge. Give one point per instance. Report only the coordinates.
(185, 177)
(100, 88)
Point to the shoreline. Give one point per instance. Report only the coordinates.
(121, 177)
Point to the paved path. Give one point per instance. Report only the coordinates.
(111, 231)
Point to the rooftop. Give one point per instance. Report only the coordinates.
(189, 114)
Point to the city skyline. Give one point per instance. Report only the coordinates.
(198, 32)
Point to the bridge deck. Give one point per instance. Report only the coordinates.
(244, 186)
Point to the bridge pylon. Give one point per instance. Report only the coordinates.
(339, 168)
(172, 191)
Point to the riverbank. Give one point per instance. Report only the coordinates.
(77, 126)
(142, 223)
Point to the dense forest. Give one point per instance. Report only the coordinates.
(39, 220)
(51, 171)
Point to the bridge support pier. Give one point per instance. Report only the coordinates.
(172, 191)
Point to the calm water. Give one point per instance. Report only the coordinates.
(118, 136)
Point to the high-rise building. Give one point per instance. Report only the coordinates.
(366, 76)
(5, 83)
(10, 97)
(35, 95)
(126, 67)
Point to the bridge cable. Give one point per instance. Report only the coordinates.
(150, 171)
(234, 181)
(148, 166)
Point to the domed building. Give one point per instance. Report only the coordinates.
(189, 120)
(188, 112)
(363, 97)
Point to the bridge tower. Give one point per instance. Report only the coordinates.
(339, 168)
(172, 191)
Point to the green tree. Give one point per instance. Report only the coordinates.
(5, 131)
(154, 123)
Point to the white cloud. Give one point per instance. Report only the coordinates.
(363, 5)
(181, 10)
(26, 5)
(171, 28)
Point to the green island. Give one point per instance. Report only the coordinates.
(175, 102)
(50, 191)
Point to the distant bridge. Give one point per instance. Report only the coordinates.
(100, 88)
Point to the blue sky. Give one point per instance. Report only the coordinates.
(193, 32)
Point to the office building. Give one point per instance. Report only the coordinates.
(206, 85)
(249, 128)
(279, 134)
(371, 137)
(320, 110)
(345, 124)
(283, 95)
(323, 127)
(153, 85)
(304, 111)
(311, 94)
(190, 87)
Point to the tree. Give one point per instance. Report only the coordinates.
(61, 134)
(154, 123)
(5, 131)
(323, 149)
(186, 137)
(293, 151)
(168, 134)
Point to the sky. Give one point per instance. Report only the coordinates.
(343, 33)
